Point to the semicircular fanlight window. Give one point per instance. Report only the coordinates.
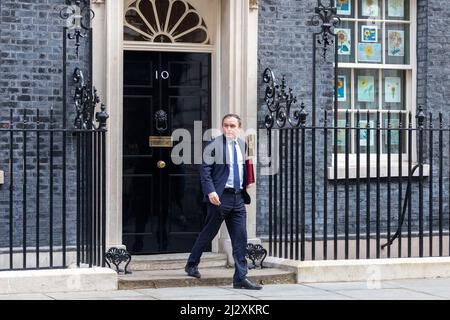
(166, 21)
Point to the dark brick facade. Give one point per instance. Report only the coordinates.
(285, 45)
(31, 79)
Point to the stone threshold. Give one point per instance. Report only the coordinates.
(210, 277)
(174, 261)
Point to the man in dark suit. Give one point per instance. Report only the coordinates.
(224, 183)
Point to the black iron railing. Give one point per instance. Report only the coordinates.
(53, 192)
(389, 189)
(54, 195)
(352, 184)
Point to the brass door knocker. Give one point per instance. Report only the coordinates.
(161, 120)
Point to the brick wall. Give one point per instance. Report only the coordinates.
(285, 45)
(31, 79)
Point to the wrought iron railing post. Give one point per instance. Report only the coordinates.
(90, 222)
(279, 101)
(326, 18)
(302, 119)
(420, 124)
(430, 186)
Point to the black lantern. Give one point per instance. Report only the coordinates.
(78, 15)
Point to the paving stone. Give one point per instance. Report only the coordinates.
(420, 289)
(283, 290)
(205, 297)
(26, 296)
(335, 286)
(307, 297)
(94, 294)
(422, 283)
(121, 298)
(189, 291)
(387, 294)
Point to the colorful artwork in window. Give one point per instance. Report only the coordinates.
(370, 8)
(344, 7)
(344, 41)
(342, 88)
(396, 43)
(341, 133)
(396, 8)
(369, 34)
(392, 89)
(366, 89)
(395, 136)
(369, 52)
(364, 133)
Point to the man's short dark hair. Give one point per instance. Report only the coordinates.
(232, 115)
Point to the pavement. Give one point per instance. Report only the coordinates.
(414, 289)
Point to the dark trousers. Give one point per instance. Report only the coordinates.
(232, 210)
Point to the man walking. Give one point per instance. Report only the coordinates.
(224, 183)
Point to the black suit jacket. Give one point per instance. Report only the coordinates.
(215, 168)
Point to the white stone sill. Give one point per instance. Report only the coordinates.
(58, 280)
(373, 171)
(367, 270)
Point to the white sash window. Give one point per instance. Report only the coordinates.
(377, 66)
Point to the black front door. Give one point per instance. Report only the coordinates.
(162, 201)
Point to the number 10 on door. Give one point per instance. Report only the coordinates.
(164, 74)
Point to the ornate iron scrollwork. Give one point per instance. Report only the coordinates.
(326, 17)
(86, 100)
(116, 256)
(256, 253)
(78, 15)
(279, 103)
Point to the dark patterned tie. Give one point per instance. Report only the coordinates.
(236, 180)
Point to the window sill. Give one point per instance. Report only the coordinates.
(373, 171)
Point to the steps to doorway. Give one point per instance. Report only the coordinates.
(167, 270)
(174, 261)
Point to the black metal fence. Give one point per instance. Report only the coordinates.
(52, 199)
(351, 184)
(53, 196)
(381, 188)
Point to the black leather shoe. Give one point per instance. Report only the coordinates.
(247, 284)
(192, 271)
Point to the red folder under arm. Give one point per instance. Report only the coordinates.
(250, 171)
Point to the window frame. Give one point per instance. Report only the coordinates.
(410, 85)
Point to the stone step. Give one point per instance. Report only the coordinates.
(174, 261)
(210, 277)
